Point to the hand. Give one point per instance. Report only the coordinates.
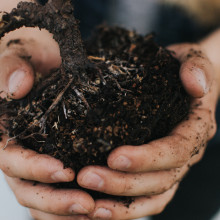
(151, 172)
(21, 55)
(23, 166)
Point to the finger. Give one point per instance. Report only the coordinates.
(50, 200)
(19, 59)
(117, 183)
(198, 155)
(16, 161)
(196, 70)
(141, 207)
(45, 216)
(17, 75)
(174, 150)
(43, 55)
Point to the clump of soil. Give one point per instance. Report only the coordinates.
(120, 88)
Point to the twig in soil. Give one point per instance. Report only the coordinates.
(101, 76)
(52, 6)
(64, 110)
(101, 141)
(118, 85)
(43, 120)
(32, 135)
(81, 96)
(96, 58)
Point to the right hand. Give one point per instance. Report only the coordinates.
(22, 166)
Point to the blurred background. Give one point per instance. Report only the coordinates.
(9, 207)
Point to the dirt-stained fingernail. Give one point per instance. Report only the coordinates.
(60, 176)
(92, 180)
(121, 162)
(102, 213)
(201, 79)
(78, 209)
(15, 81)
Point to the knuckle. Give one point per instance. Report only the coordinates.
(34, 168)
(159, 209)
(163, 189)
(197, 158)
(183, 157)
(6, 170)
(31, 171)
(213, 129)
(34, 214)
(209, 123)
(181, 150)
(168, 179)
(183, 160)
(21, 200)
(166, 185)
(125, 186)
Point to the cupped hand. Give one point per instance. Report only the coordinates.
(24, 53)
(20, 60)
(151, 172)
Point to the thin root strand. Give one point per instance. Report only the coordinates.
(81, 96)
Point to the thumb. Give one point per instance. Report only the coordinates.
(17, 75)
(196, 71)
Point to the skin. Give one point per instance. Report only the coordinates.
(150, 172)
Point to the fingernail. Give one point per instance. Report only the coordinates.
(201, 79)
(102, 213)
(60, 176)
(78, 209)
(92, 180)
(15, 81)
(121, 162)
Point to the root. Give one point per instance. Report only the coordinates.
(101, 76)
(9, 140)
(43, 119)
(118, 85)
(57, 100)
(63, 26)
(81, 96)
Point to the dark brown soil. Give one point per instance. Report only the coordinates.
(125, 89)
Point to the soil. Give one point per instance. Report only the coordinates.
(119, 89)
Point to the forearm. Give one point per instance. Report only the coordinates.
(211, 45)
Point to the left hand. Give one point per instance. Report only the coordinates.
(22, 167)
(151, 172)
